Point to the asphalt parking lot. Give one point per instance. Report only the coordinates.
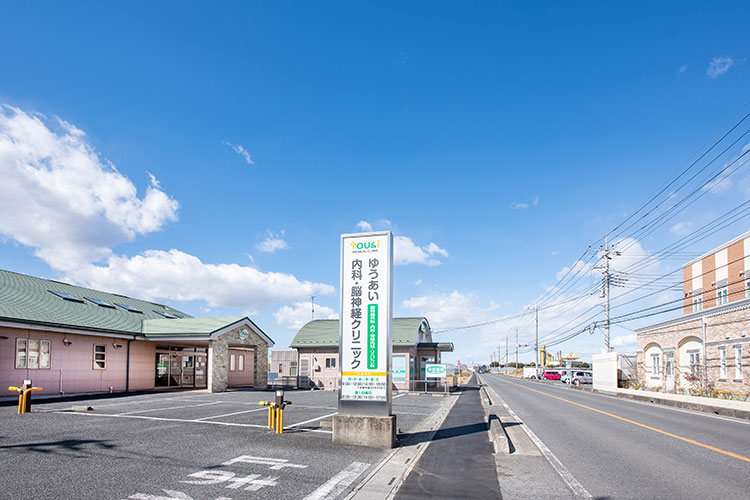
(187, 445)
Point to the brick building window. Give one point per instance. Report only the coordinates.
(695, 363)
(738, 361)
(723, 362)
(697, 301)
(722, 296)
(655, 364)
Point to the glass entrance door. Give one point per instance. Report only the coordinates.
(200, 370)
(188, 371)
(162, 370)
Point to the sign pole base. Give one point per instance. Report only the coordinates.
(362, 430)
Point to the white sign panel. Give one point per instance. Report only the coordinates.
(366, 291)
(435, 371)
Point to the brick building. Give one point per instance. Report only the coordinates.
(710, 340)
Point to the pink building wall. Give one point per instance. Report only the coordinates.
(72, 366)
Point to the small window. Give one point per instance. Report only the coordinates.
(100, 302)
(695, 362)
(722, 296)
(232, 362)
(66, 296)
(20, 353)
(293, 369)
(241, 362)
(129, 308)
(656, 364)
(166, 315)
(281, 368)
(738, 361)
(100, 356)
(722, 362)
(44, 354)
(330, 362)
(698, 303)
(747, 286)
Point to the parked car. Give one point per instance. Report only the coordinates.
(551, 375)
(583, 378)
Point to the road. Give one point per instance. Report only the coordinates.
(621, 449)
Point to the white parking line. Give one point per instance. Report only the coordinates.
(230, 414)
(169, 408)
(164, 419)
(577, 488)
(338, 483)
(311, 420)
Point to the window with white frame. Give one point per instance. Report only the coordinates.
(722, 295)
(747, 286)
(330, 362)
(232, 362)
(100, 357)
(723, 362)
(738, 361)
(695, 363)
(293, 369)
(697, 302)
(241, 362)
(33, 354)
(656, 364)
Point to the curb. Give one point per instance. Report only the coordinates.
(705, 408)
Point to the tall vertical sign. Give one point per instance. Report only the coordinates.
(365, 324)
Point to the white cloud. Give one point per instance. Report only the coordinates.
(418, 282)
(536, 201)
(175, 275)
(71, 207)
(448, 310)
(681, 228)
(624, 340)
(295, 315)
(240, 150)
(516, 206)
(718, 186)
(365, 226)
(60, 198)
(719, 66)
(405, 251)
(682, 69)
(272, 243)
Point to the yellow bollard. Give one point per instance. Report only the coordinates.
(279, 421)
(25, 395)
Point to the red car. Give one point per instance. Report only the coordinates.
(551, 375)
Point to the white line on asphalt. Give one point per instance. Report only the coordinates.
(163, 419)
(311, 420)
(400, 395)
(577, 488)
(230, 414)
(169, 408)
(338, 483)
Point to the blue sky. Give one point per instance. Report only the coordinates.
(496, 140)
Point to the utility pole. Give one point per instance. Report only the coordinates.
(312, 299)
(506, 354)
(516, 350)
(607, 252)
(536, 345)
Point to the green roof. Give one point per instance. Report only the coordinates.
(187, 326)
(325, 332)
(27, 299)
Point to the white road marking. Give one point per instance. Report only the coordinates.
(398, 396)
(173, 495)
(230, 414)
(577, 488)
(275, 463)
(338, 483)
(169, 408)
(308, 421)
(160, 419)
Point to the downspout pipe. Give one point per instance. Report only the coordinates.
(705, 365)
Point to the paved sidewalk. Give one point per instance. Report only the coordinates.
(459, 463)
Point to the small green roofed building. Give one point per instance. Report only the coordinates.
(317, 345)
(71, 339)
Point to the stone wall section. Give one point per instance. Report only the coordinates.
(722, 330)
(218, 358)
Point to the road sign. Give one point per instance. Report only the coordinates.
(435, 371)
(365, 326)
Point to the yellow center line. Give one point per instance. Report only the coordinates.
(687, 440)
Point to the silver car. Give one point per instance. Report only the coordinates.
(583, 378)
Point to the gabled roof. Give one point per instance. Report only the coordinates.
(27, 299)
(198, 328)
(325, 332)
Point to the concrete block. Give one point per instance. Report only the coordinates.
(360, 430)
